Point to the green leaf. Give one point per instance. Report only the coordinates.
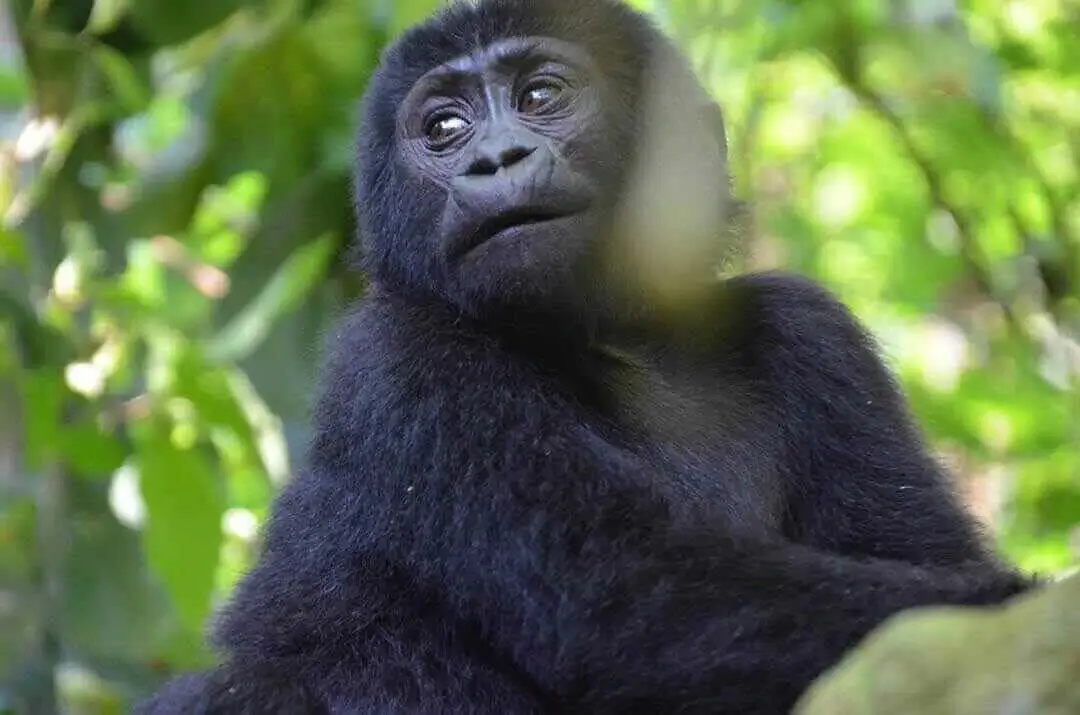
(43, 394)
(287, 288)
(91, 452)
(344, 36)
(105, 15)
(14, 87)
(12, 247)
(279, 93)
(183, 533)
(407, 13)
(123, 80)
(41, 344)
(168, 22)
(112, 606)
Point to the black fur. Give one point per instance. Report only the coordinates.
(604, 513)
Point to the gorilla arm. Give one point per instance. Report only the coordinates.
(857, 475)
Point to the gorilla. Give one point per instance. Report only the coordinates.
(561, 463)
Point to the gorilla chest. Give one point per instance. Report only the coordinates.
(711, 445)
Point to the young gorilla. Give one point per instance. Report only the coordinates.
(540, 484)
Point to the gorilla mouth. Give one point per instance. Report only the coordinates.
(506, 221)
(515, 218)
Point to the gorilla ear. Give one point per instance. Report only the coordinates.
(713, 117)
(677, 213)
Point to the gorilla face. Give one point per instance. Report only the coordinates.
(512, 143)
(541, 164)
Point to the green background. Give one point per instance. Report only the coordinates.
(175, 205)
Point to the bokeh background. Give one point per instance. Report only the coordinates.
(174, 198)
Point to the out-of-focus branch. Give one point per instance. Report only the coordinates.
(1062, 268)
(969, 246)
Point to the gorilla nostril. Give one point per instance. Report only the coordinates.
(489, 163)
(515, 154)
(483, 166)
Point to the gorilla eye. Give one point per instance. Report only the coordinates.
(444, 126)
(538, 95)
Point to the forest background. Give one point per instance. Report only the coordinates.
(174, 207)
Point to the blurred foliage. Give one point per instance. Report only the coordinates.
(175, 203)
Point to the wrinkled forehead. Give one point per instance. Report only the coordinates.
(508, 57)
(617, 39)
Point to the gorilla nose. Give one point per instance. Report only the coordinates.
(496, 154)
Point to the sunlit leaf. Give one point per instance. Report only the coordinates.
(183, 532)
(105, 15)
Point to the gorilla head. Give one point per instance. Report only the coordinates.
(500, 164)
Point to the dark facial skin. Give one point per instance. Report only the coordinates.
(511, 137)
